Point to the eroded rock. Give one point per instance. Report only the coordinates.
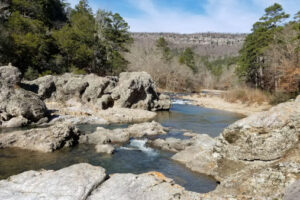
(18, 107)
(130, 90)
(263, 136)
(42, 139)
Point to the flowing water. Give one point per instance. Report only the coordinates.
(134, 157)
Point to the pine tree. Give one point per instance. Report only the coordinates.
(252, 54)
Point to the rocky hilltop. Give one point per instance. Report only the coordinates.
(212, 44)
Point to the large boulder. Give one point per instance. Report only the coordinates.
(263, 136)
(137, 90)
(42, 139)
(72, 183)
(18, 106)
(10, 75)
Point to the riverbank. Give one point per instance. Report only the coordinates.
(213, 99)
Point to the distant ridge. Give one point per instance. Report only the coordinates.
(206, 44)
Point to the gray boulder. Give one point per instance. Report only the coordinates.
(137, 90)
(72, 183)
(16, 102)
(15, 122)
(42, 139)
(10, 75)
(104, 148)
(263, 136)
(171, 144)
(44, 86)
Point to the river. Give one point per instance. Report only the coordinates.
(134, 157)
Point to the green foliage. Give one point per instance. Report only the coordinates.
(217, 66)
(297, 28)
(76, 70)
(46, 73)
(252, 54)
(163, 46)
(188, 58)
(76, 40)
(280, 97)
(113, 34)
(31, 74)
(40, 37)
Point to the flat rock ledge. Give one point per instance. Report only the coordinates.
(42, 139)
(84, 181)
(77, 113)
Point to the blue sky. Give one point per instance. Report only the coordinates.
(190, 16)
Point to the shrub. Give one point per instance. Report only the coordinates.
(280, 97)
(31, 74)
(246, 95)
(78, 71)
(47, 72)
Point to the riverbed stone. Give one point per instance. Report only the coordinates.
(42, 139)
(122, 135)
(199, 156)
(146, 129)
(171, 144)
(72, 183)
(104, 148)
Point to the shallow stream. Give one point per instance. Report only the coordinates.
(134, 157)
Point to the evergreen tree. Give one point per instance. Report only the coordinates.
(76, 40)
(252, 54)
(188, 58)
(163, 46)
(113, 33)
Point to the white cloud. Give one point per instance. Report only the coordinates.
(233, 16)
(221, 16)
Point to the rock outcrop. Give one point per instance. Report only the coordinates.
(42, 139)
(18, 107)
(263, 136)
(254, 158)
(130, 90)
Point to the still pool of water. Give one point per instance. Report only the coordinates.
(196, 119)
(134, 157)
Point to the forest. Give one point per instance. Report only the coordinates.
(49, 37)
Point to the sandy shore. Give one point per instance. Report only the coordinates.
(216, 102)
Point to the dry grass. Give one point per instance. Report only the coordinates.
(246, 95)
